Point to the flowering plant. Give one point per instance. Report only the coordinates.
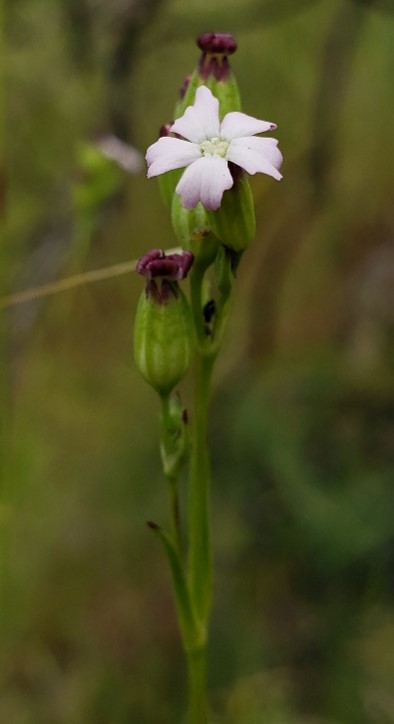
(202, 158)
(209, 148)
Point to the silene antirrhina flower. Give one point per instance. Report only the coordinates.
(206, 148)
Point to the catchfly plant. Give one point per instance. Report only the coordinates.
(202, 161)
(206, 148)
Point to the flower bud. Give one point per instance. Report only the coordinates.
(214, 71)
(163, 331)
(234, 222)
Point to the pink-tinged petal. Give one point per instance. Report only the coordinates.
(265, 147)
(205, 180)
(168, 154)
(201, 120)
(238, 125)
(256, 155)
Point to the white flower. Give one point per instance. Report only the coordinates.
(208, 148)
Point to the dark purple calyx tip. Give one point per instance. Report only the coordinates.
(215, 49)
(221, 43)
(173, 267)
(162, 272)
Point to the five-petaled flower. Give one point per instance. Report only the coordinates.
(207, 146)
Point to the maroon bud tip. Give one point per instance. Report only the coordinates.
(143, 264)
(172, 267)
(223, 43)
(215, 49)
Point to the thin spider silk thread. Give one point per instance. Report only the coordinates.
(63, 285)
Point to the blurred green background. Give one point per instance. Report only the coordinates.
(302, 416)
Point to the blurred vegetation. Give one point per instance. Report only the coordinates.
(302, 420)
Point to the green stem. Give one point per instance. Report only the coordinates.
(197, 686)
(175, 513)
(193, 637)
(200, 558)
(196, 282)
(199, 520)
(170, 464)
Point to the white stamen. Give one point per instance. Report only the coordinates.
(214, 147)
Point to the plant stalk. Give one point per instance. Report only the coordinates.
(200, 557)
(196, 666)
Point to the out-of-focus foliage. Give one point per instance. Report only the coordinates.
(302, 420)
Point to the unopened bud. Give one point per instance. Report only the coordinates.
(163, 331)
(234, 222)
(216, 47)
(214, 71)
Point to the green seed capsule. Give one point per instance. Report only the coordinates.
(163, 335)
(234, 222)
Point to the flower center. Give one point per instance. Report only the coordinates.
(214, 147)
